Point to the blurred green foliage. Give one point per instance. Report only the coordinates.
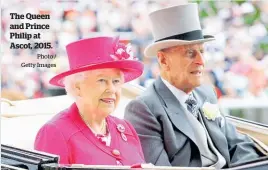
(237, 113)
(250, 18)
(264, 47)
(239, 1)
(211, 7)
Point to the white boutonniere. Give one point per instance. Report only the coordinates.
(212, 112)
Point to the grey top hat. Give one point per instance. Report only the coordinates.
(177, 25)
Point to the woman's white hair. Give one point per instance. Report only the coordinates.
(70, 82)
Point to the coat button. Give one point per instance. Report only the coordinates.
(116, 152)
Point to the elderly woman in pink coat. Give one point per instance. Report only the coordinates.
(86, 133)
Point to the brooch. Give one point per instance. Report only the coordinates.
(122, 129)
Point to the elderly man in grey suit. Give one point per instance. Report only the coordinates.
(177, 118)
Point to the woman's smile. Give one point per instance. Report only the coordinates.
(108, 100)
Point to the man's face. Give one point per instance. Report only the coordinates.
(101, 90)
(183, 65)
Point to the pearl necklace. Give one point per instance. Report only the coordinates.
(103, 129)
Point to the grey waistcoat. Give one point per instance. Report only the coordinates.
(210, 156)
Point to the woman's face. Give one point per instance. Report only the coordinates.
(101, 90)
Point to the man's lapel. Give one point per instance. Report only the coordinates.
(174, 110)
(213, 129)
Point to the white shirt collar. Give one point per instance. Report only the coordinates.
(179, 94)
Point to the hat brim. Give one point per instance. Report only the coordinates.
(152, 49)
(131, 70)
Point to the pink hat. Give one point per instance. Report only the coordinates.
(99, 53)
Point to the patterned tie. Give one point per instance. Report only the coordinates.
(192, 105)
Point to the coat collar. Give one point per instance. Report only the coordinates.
(85, 130)
(174, 109)
(179, 94)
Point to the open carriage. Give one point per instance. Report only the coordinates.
(21, 120)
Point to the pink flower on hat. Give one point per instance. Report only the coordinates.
(123, 52)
